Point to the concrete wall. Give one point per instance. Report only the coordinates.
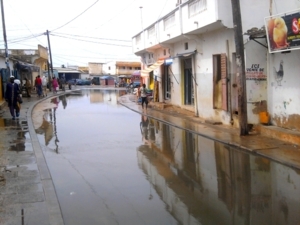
(283, 93)
(256, 80)
(284, 100)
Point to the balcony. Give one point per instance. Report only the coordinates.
(191, 17)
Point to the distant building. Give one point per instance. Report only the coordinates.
(95, 69)
(67, 73)
(121, 69)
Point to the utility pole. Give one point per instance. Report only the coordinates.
(4, 38)
(51, 63)
(240, 61)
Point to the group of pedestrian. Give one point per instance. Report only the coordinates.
(13, 92)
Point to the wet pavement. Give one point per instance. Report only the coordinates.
(27, 194)
(110, 165)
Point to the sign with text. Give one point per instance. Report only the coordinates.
(283, 32)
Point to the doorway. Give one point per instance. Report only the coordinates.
(167, 83)
(188, 82)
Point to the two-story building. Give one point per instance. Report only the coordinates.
(190, 52)
(121, 70)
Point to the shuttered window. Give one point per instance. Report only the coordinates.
(220, 99)
(169, 22)
(197, 7)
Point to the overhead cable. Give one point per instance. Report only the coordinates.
(109, 39)
(91, 41)
(76, 16)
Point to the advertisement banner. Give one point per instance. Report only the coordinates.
(283, 32)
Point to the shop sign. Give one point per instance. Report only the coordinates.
(283, 32)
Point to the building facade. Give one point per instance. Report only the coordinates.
(190, 53)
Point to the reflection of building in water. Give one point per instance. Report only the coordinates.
(46, 128)
(96, 96)
(202, 180)
(109, 96)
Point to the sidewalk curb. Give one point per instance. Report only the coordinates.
(54, 210)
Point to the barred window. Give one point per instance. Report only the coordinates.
(196, 7)
(169, 22)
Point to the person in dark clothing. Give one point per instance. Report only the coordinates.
(11, 94)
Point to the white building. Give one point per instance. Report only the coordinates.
(191, 53)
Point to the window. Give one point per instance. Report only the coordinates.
(123, 68)
(109, 68)
(169, 22)
(165, 52)
(151, 32)
(130, 68)
(186, 45)
(197, 7)
(137, 68)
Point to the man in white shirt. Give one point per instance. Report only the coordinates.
(143, 92)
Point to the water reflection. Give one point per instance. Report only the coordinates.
(100, 96)
(206, 182)
(48, 124)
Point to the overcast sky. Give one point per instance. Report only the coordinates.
(115, 20)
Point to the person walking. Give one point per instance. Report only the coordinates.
(143, 92)
(54, 85)
(11, 94)
(38, 83)
(28, 87)
(19, 96)
(44, 84)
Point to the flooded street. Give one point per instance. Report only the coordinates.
(111, 165)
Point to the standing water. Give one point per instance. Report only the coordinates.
(113, 166)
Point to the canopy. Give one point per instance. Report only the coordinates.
(145, 72)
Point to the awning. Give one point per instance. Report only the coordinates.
(145, 72)
(26, 67)
(187, 54)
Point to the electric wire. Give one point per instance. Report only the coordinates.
(76, 16)
(26, 25)
(23, 39)
(91, 41)
(74, 35)
(116, 15)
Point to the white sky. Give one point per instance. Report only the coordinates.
(110, 19)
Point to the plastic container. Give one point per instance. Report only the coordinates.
(264, 117)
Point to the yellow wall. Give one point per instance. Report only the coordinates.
(151, 81)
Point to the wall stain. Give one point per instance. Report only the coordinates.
(260, 107)
(291, 122)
